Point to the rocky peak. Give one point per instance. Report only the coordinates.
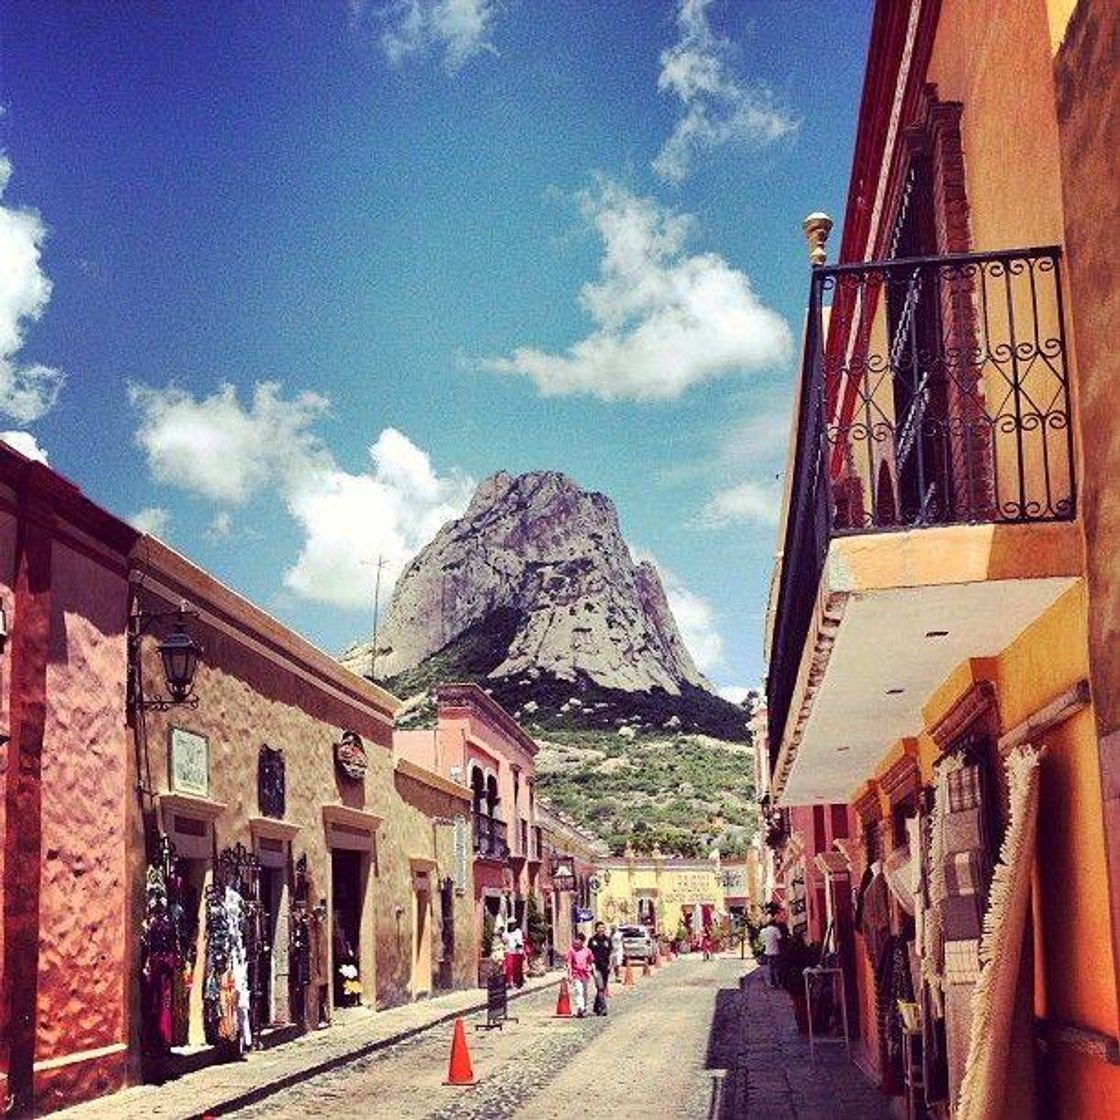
(538, 549)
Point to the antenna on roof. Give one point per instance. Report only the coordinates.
(376, 612)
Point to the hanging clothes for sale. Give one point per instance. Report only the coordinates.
(160, 962)
(239, 967)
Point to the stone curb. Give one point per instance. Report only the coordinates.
(287, 1080)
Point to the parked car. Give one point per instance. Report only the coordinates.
(637, 944)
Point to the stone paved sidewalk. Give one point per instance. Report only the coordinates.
(222, 1088)
(769, 1071)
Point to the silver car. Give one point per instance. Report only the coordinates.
(637, 943)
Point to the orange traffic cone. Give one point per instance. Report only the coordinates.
(645, 967)
(627, 975)
(563, 1000)
(459, 1069)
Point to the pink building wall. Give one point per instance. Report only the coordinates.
(64, 989)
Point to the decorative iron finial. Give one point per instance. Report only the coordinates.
(817, 228)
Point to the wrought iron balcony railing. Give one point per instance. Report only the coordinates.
(934, 391)
(490, 837)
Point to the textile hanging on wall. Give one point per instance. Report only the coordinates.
(160, 963)
(899, 874)
(933, 938)
(983, 1091)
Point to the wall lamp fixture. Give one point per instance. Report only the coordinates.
(178, 652)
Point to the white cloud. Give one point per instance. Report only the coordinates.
(694, 615)
(26, 391)
(459, 28)
(735, 693)
(760, 437)
(220, 449)
(349, 520)
(221, 525)
(664, 321)
(696, 621)
(216, 448)
(719, 106)
(154, 520)
(747, 502)
(26, 444)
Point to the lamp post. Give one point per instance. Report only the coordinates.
(178, 654)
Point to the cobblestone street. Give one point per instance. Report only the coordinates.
(688, 1042)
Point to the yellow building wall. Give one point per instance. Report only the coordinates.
(670, 887)
(995, 58)
(1074, 962)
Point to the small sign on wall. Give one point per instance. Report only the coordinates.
(459, 854)
(189, 763)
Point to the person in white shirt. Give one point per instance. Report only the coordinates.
(771, 937)
(616, 952)
(513, 941)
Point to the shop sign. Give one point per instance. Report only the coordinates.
(350, 756)
(564, 878)
(189, 758)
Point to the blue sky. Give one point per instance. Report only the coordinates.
(284, 279)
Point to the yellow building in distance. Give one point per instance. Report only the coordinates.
(661, 892)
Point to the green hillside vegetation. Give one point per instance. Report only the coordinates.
(684, 793)
(640, 768)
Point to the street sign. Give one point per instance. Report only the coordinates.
(584, 915)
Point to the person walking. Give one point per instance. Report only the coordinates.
(771, 936)
(580, 964)
(601, 953)
(513, 941)
(616, 951)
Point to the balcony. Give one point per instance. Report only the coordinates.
(930, 503)
(490, 840)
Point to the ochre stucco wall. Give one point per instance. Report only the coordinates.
(417, 838)
(1045, 660)
(1088, 84)
(248, 699)
(1074, 962)
(995, 59)
(1088, 80)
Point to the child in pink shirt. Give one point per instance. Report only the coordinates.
(580, 964)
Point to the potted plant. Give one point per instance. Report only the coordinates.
(538, 937)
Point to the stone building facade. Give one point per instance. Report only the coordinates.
(193, 867)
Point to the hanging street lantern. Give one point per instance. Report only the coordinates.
(178, 653)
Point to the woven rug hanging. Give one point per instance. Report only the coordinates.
(983, 1090)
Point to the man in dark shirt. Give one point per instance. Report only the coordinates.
(600, 946)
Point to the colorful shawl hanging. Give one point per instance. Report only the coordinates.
(982, 1090)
